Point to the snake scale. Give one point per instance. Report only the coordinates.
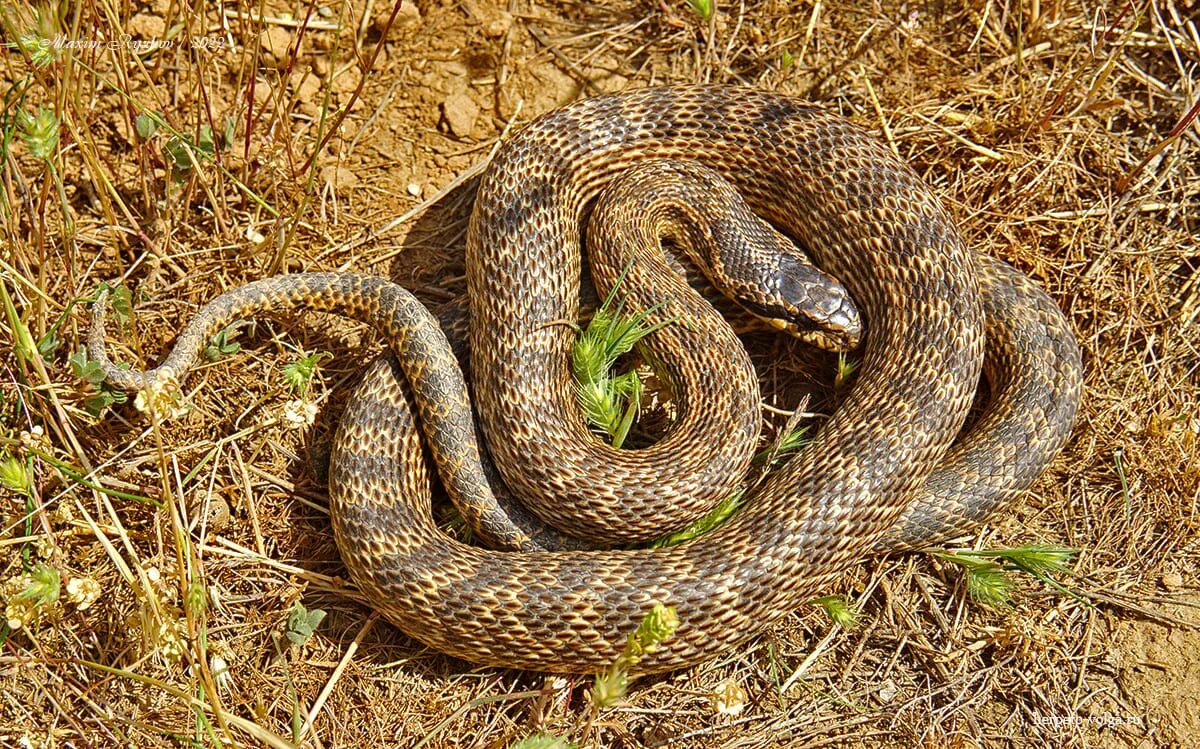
(888, 470)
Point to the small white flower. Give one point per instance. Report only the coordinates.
(254, 235)
(36, 440)
(728, 697)
(63, 513)
(220, 673)
(161, 398)
(83, 592)
(169, 639)
(298, 414)
(43, 547)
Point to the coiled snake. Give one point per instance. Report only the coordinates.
(884, 472)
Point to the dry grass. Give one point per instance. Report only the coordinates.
(1055, 132)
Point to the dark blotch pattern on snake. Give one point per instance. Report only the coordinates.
(884, 472)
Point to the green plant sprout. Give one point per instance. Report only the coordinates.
(986, 570)
(657, 626)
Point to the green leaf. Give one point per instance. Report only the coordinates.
(298, 374)
(196, 599)
(301, 623)
(609, 688)
(95, 404)
(702, 8)
(986, 582)
(47, 345)
(23, 344)
(120, 303)
(839, 610)
(657, 626)
(92, 373)
(176, 148)
(715, 517)
(1036, 560)
(85, 368)
(845, 370)
(182, 149)
(40, 54)
(791, 442)
(206, 144)
(220, 345)
(610, 403)
(147, 124)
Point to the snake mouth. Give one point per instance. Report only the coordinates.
(829, 340)
(834, 327)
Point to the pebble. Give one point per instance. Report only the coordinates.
(275, 42)
(460, 111)
(408, 15)
(147, 27)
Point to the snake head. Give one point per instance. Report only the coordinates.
(807, 303)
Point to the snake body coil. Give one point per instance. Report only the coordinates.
(884, 472)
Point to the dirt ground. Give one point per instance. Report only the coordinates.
(347, 136)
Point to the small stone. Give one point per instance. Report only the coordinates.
(217, 514)
(339, 176)
(454, 69)
(460, 111)
(408, 15)
(309, 94)
(275, 42)
(492, 21)
(347, 80)
(1172, 580)
(614, 83)
(497, 25)
(262, 93)
(414, 189)
(887, 691)
(147, 27)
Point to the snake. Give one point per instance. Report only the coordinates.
(891, 469)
